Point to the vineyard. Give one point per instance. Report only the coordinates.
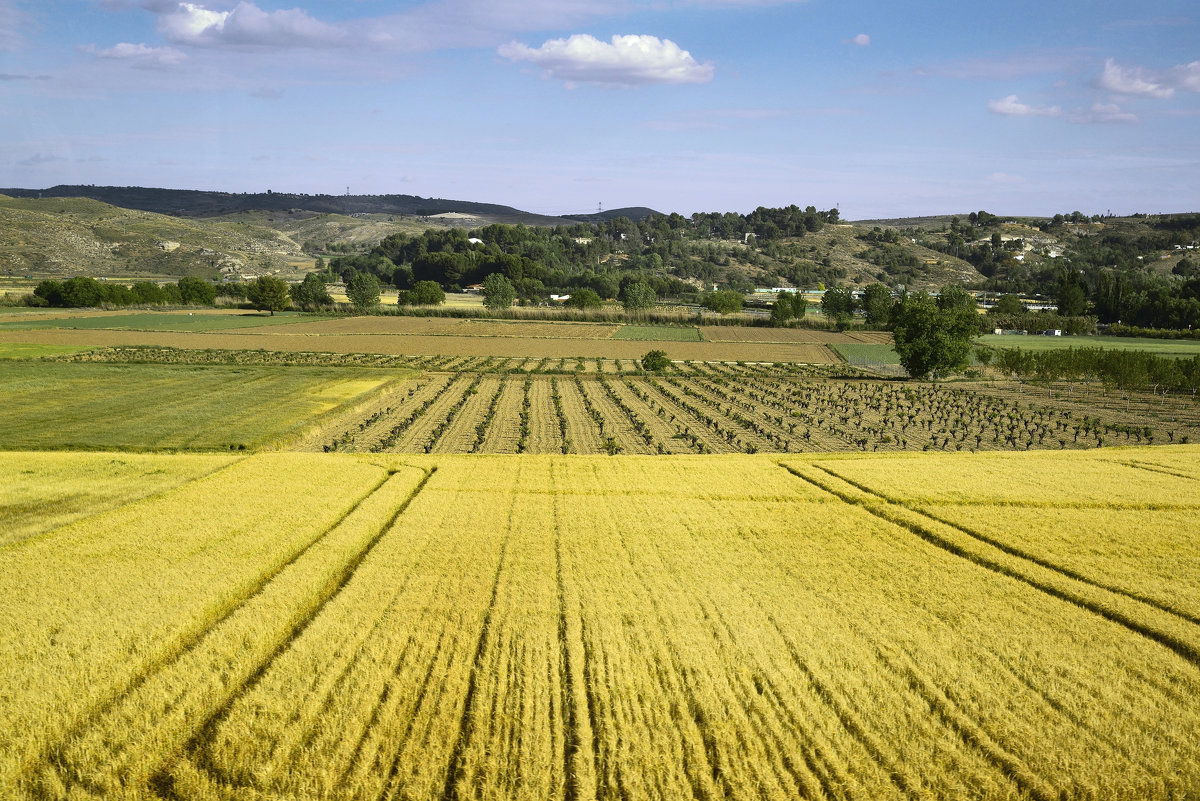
(285, 626)
(704, 408)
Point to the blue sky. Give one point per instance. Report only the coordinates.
(880, 108)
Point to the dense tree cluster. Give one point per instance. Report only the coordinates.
(84, 292)
(664, 251)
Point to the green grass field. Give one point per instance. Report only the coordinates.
(50, 406)
(19, 350)
(866, 354)
(1162, 347)
(658, 333)
(160, 321)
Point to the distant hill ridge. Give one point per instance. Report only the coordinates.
(200, 203)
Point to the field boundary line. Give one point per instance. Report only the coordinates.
(1185, 643)
(57, 755)
(113, 509)
(580, 767)
(466, 723)
(1154, 468)
(162, 779)
(1012, 550)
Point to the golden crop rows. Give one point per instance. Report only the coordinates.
(549, 627)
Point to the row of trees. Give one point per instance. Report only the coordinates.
(1124, 369)
(85, 292)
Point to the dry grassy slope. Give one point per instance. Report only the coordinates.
(74, 236)
(364, 231)
(841, 245)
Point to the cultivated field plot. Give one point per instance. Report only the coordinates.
(587, 627)
(714, 408)
(658, 333)
(50, 405)
(508, 339)
(449, 326)
(158, 321)
(801, 336)
(1183, 348)
(41, 491)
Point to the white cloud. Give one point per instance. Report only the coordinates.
(1101, 113)
(625, 61)
(862, 40)
(1132, 81)
(1185, 76)
(1011, 106)
(246, 25)
(1005, 178)
(139, 54)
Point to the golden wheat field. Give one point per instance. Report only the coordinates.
(395, 626)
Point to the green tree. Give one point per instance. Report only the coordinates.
(1008, 305)
(584, 298)
(311, 292)
(1072, 300)
(655, 361)
(196, 291)
(268, 293)
(363, 291)
(498, 291)
(725, 301)
(426, 293)
(877, 304)
(81, 291)
(933, 338)
(638, 296)
(788, 306)
(148, 293)
(50, 291)
(837, 304)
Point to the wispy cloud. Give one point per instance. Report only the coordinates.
(12, 20)
(625, 61)
(862, 40)
(1012, 106)
(8, 76)
(40, 158)
(246, 25)
(1133, 81)
(139, 54)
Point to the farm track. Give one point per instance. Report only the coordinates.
(1152, 621)
(544, 435)
(169, 707)
(582, 433)
(504, 430)
(460, 435)
(663, 431)
(178, 649)
(414, 438)
(703, 438)
(617, 423)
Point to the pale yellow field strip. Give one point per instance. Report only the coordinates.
(1153, 555)
(101, 604)
(41, 491)
(1097, 478)
(118, 752)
